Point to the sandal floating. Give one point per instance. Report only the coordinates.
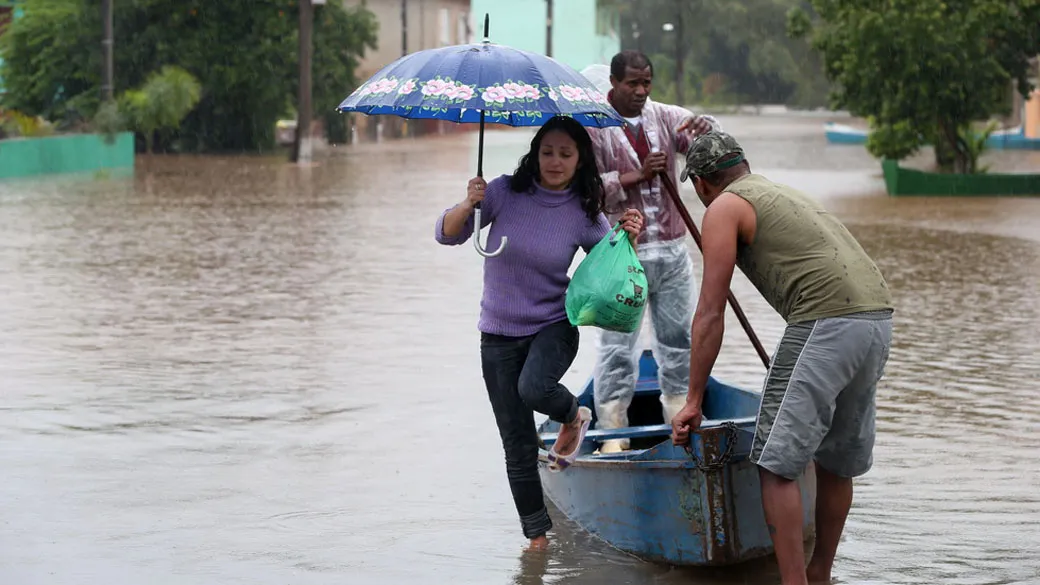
(557, 462)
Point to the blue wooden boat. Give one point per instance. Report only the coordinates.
(661, 503)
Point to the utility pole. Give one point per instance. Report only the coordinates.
(548, 27)
(106, 51)
(302, 147)
(679, 77)
(404, 27)
(404, 51)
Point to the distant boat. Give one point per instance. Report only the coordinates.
(1007, 139)
(844, 134)
(656, 501)
(1012, 139)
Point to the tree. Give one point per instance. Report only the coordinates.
(735, 51)
(243, 52)
(924, 71)
(162, 103)
(47, 60)
(340, 39)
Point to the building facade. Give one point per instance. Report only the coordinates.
(407, 26)
(584, 32)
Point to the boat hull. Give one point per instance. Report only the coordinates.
(659, 502)
(673, 515)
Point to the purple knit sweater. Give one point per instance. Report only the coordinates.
(525, 286)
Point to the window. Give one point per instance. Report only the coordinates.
(607, 19)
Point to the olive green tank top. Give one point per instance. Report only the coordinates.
(803, 260)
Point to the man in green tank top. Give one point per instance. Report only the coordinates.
(818, 400)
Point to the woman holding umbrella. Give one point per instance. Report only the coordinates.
(549, 207)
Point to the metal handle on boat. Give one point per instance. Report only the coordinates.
(731, 440)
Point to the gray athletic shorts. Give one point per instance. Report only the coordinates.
(818, 397)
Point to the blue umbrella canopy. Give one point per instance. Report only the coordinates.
(473, 82)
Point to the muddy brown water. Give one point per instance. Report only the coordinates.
(229, 370)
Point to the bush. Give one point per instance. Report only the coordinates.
(14, 124)
(162, 103)
(109, 121)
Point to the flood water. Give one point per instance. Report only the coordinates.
(235, 371)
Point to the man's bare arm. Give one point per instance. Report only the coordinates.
(720, 232)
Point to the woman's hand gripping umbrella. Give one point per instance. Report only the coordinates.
(481, 82)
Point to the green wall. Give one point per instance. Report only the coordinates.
(70, 153)
(580, 31)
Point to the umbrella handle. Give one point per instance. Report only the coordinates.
(476, 238)
(480, 173)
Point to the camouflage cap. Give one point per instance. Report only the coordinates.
(707, 150)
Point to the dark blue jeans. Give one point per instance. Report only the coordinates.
(522, 375)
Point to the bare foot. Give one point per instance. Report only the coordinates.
(818, 575)
(567, 440)
(612, 446)
(539, 543)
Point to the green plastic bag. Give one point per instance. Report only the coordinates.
(608, 289)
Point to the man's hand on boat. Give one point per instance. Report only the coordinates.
(687, 421)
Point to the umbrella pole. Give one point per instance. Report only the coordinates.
(480, 173)
(673, 193)
(480, 149)
(476, 208)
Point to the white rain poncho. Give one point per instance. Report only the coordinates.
(664, 253)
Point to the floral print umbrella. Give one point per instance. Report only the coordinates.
(478, 82)
(466, 83)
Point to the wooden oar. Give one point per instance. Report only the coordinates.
(674, 194)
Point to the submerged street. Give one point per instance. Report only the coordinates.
(233, 370)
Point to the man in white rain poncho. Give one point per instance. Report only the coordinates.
(630, 159)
